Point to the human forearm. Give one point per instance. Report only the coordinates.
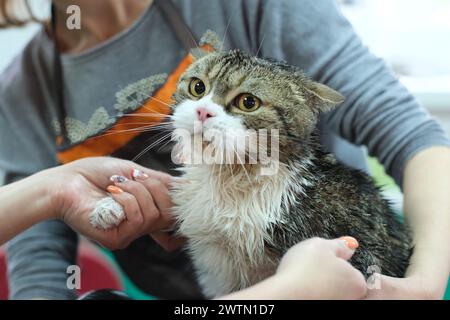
(278, 287)
(272, 288)
(23, 204)
(427, 208)
(38, 257)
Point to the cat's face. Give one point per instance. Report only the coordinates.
(234, 91)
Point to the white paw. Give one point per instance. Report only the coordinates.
(107, 214)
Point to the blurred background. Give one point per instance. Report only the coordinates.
(413, 37)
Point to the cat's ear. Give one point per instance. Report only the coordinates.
(209, 42)
(321, 97)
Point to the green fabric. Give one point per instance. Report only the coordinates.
(130, 289)
(447, 292)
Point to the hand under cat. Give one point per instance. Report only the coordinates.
(313, 269)
(77, 188)
(319, 269)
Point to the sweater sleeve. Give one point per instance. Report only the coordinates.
(38, 261)
(378, 112)
(38, 258)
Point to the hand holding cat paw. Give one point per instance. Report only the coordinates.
(78, 188)
(147, 199)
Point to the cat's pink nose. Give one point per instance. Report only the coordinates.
(204, 114)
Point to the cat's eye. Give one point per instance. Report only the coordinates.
(197, 88)
(247, 102)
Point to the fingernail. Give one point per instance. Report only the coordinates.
(114, 190)
(139, 174)
(350, 242)
(118, 179)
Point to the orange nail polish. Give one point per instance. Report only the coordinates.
(351, 242)
(114, 190)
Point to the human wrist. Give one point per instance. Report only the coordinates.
(431, 254)
(430, 269)
(32, 197)
(285, 287)
(276, 287)
(51, 193)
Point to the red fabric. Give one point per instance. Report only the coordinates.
(3, 281)
(96, 271)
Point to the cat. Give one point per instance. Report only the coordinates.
(238, 219)
(238, 222)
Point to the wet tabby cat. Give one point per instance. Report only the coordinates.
(238, 221)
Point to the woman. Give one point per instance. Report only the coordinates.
(137, 42)
(313, 269)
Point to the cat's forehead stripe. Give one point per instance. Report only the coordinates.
(228, 72)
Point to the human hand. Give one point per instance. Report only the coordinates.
(78, 186)
(318, 269)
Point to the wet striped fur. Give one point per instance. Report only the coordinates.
(239, 223)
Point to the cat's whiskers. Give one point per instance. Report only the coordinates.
(143, 104)
(154, 124)
(136, 123)
(157, 100)
(125, 131)
(150, 127)
(160, 101)
(151, 146)
(220, 172)
(242, 165)
(140, 129)
(231, 171)
(146, 128)
(162, 138)
(260, 45)
(141, 153)
(225, 33)
(153, 114)
(251, 158)
(165, 144)
(153, 98)
(147, 115)
(191, 35)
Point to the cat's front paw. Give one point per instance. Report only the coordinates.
(107, 214)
